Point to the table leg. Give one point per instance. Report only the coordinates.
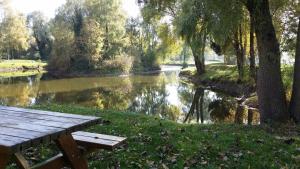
(71, 152)
(4, 158)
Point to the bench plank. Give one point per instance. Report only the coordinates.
(102, 136)
(97, 141)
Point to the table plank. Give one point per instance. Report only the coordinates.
(13, 123)
(41, 112)
(42, 122)
(14, 142)
(41, 117)
(20, 133)
(69, 126)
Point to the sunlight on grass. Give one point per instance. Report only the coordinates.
(14, 64)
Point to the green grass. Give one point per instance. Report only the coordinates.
(155, 143)
(21, 73)
(15, 64)
(221, 72)
(229, 73)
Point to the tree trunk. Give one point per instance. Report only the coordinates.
(239, 54)
(201, 106)
(295, 100)
(197, 45)
(252, 51)
(200, 65)
(270, 91)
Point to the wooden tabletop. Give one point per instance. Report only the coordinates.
(22, 128)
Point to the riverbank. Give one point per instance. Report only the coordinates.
(155, 143)
(97, 73)
(9, 66)
(223, 78)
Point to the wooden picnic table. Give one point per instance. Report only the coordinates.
(23, 128)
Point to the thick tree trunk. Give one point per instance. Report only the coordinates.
(252, 51)
(295, 100)
(271, 94)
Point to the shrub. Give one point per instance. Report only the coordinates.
(120, 64)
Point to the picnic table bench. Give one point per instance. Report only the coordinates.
(24, 128)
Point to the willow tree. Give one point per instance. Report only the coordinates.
(41, 32)
(192, 26)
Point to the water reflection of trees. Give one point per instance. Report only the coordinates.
(152, 100)
(20, 91)
(148, 95)
(197, 106)
(220, 108)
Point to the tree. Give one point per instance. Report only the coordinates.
(295, 100)
(272, 105)
(110, 16)
(62, 50)
(41, 33)
(14, 35)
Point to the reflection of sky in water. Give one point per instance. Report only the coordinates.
(173, 96)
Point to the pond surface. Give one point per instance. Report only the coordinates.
(164, 95)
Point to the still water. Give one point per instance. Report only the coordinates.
(163, 95)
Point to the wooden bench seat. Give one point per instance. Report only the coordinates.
(98, 141)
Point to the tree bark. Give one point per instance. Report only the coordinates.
(239, 51)
(252, 51)
(295, 100)
(199, 61)
(197, 45)
(271, 94)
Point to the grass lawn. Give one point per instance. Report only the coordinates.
(21, 73)
(155, 143)
(14, 64)
(222, 72)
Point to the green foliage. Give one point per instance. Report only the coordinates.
(120, 64)
(111, 17)
(41, 33)
(60, 59)
(170, 45)
(97, 33)
(14, 35)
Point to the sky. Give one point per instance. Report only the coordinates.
(48, 7)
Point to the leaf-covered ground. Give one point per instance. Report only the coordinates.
(161, 144)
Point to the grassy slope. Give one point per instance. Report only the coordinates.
(14, 64)
(155, 143)
(222, 72)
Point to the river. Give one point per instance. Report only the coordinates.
(164, 95)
